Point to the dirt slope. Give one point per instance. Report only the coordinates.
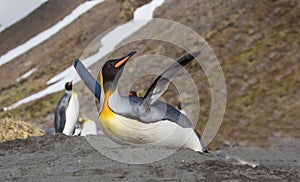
(55, 54)
(257, 43)
(42, 18)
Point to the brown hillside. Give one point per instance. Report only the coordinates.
(57, 53)
(39, 20)
(257, 43)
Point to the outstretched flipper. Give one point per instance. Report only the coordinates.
(93, 85)
(161, 83)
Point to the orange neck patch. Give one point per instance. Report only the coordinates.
(106, 112)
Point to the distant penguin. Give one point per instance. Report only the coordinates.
(66, 112)
(89, 127)
(77, 130)
(132, 94)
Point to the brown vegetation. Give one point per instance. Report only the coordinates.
(11, 129)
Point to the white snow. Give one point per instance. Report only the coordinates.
(41, 37)
(26, 75)
(12, 11)
(146, 12)
(108, 42)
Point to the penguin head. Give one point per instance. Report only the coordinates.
(81, 121)
(132, 94)
(112, 70)
(68, 86)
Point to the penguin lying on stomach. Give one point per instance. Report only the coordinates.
(140, 120)
(66, 112)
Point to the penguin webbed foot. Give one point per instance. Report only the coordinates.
(206, 151)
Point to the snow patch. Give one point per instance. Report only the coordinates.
(41, 37)
(12, 11)
(26, 75)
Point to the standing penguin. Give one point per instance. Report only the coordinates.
(141, 120)
(66, 112)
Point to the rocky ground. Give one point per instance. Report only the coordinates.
(60, 158)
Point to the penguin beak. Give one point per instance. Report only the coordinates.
(124, 59)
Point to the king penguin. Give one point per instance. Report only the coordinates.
(89, 127)
(66, 112)
(140, 120)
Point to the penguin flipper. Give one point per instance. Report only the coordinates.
(77, 129)
(60, 113)
(62, 120)
(161, 83)
(93, 85)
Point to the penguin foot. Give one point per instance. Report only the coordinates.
(206, 150)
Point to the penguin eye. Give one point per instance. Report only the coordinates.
(108, 66)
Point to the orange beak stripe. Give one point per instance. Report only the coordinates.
(120, 63)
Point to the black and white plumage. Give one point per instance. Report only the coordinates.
(66, 112)
(77, 130)
(141, 120)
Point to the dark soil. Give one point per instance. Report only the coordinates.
(60, 158)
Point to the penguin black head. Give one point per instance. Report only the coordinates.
(81, 121)
(68, 86)
(112, 70)
(132, 94)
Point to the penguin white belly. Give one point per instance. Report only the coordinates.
(89, 128)
(163, 133)
(71, 114)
